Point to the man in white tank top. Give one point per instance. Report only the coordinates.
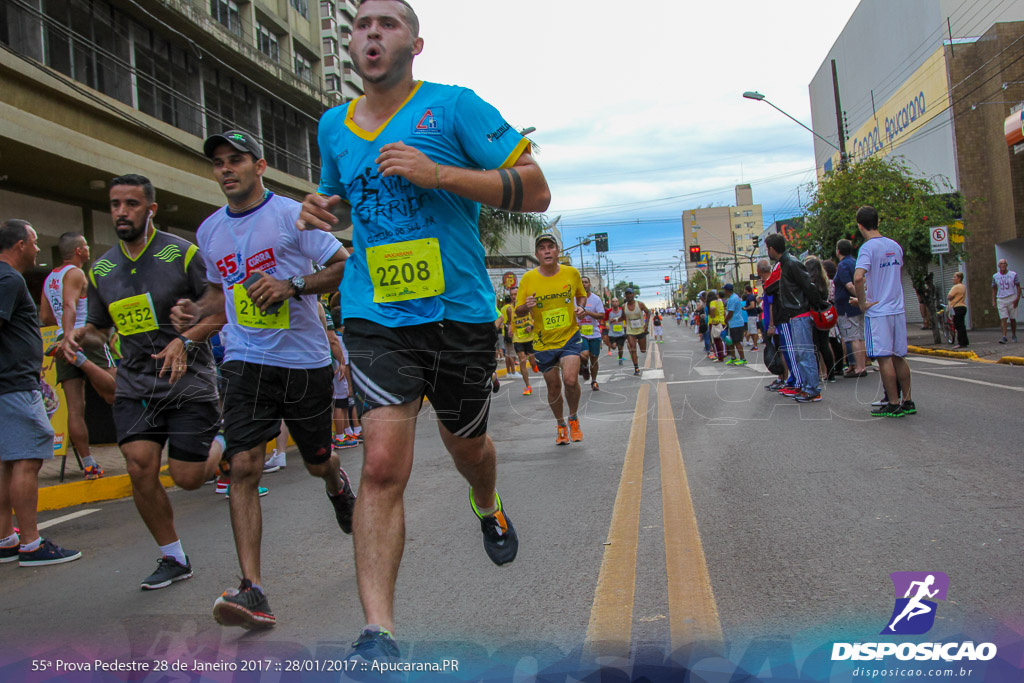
(63, 304)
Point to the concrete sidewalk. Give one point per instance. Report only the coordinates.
(984, 345)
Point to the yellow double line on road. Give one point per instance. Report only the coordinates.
(692, 612)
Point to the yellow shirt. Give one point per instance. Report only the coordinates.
(554, 318)
(717, 315)
(523, 330)
(957, 296)
(505, 315)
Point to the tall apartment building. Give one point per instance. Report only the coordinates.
(726, 234)
(90, 89)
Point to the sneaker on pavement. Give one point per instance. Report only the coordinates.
(804, 397)
(775, 386)
(347, 441)
(636, 371)
(9, 553)
(527, 391)
(344, 503)
(262, 490)
(563, 436)
(500, 539)
(277, 461)
(575, 433)
(585, 372)
(374, 644)
(730, 361)
(888, 410)
(168, 570)
(222, 485)
(495, 386)
(1003, 340)
(93, 472)
(908, 408)
(753, 348)
(536, 368)
(741, 361)
(47, 553)
(620, 361)
(245, 606)
(1014, 339)
(789, 391)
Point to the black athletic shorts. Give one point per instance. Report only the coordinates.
(524, 347)
(186, 425)
(448, 362)
(258, 397)
(617, 342)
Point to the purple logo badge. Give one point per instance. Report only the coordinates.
(914, 611)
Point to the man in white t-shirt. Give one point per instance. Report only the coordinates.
(1005, 297)
(878, 284)
(590, 331)
(277, 359)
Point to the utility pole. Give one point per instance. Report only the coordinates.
(839, 119)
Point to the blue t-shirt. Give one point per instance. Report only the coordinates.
(735, 304)
(844, 274)
(453, 127)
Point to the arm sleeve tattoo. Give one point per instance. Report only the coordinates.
(511, 189)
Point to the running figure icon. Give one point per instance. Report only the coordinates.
(915, 607)
(916, 595)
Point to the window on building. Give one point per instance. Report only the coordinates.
(303, 67)
(226, 12)
(301, 6)
(330, 46)
(87, 41)
(333, 83)
(285, 139)
(167, 84)
(266, 41)
(230, 103)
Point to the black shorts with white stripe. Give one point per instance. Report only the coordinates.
(448, 362)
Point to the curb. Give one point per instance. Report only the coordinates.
(81, 492)
(1011, 360)
(926, 351)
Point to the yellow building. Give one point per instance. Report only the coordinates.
(726, 234)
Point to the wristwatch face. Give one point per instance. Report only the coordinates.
(299, 283)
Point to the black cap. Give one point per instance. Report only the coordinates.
(545, 236)
(239, 139)
(728, 286)
(629, 290)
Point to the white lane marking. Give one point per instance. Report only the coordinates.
(760, 368)
(720, 379)
(965, 379)
(653, 374)
(936, 361)
(65, 518)
(706, 371)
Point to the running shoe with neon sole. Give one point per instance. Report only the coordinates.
(168, 570)
(563, 436)
(344, 503)
(245, 606)
(575, 433)
(741, 361)
(730, 361)
(888, 410)
(374, 644)
(527, 391)
(908, 408)
(93, 472)
(500, 539)
(346, 441)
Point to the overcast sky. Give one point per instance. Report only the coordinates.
(638, 105)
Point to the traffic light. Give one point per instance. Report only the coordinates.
(756, 241)
(601, 239)
(667, 278)
(694, 253)
(755, 290)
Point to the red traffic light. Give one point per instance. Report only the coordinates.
(667, 278)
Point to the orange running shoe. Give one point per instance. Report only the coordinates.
(563, 436)
(527, 391)
(92, 473)
(575, 433)
(536, 368)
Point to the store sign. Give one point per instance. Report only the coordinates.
(922, 97)
(1013, 129)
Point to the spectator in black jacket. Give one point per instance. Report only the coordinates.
(797, 296)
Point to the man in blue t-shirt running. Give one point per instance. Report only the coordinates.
(409, 164)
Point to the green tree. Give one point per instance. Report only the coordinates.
(619, 290)
(908, 206)
(495, 225)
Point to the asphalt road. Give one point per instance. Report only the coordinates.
(698, 507)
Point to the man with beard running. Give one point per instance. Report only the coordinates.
(615, 320)
(166, 385)
(590, 331)
(637, 318)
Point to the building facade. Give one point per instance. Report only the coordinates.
(726, 234)
(91, 89)
(933, 82)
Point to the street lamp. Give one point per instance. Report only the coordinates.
(754, 95)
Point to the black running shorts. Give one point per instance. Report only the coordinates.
(448, 362)
(186, 425)
(258, 397)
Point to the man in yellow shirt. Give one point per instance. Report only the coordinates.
(523, 336)
(553, 294)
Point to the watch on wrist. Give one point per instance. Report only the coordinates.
(187, 343)
(298, 283)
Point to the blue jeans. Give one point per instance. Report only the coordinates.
(707, 340)
(802, 331)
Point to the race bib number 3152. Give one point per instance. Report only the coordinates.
(405, 270)
(134, 315)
